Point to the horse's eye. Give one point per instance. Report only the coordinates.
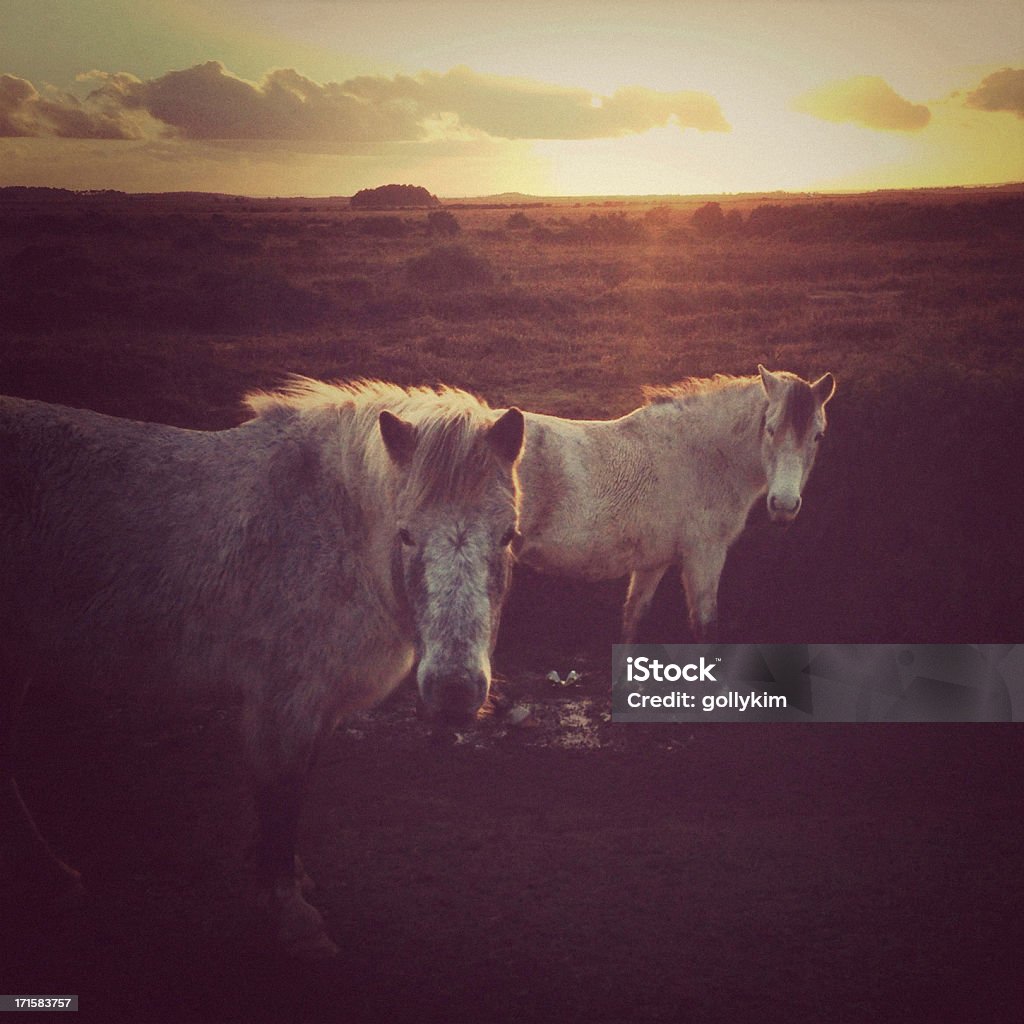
(406, 538)
(818, 436)
(508, 536)
(770, 431)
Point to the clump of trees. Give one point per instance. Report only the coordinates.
(394, 197)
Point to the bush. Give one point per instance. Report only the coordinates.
(447, 267)
(603, 227)
(709, 220)
(443, 223)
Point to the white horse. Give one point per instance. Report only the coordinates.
(310, 556)
(670, 483)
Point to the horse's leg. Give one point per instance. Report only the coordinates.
(300, 928)
(280, 876)
(25, 856)
(642, 585)
(701, 571)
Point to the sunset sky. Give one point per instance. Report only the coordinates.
(324, 97)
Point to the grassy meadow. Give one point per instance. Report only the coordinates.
(170, 307)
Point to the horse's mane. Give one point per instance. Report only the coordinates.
(660, 394)
(798, 409)
(452, 457)
(300, 393)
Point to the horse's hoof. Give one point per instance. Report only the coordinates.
(300, 928)
(313, 947)
(73, 895)
(47, 883)
(306, 884)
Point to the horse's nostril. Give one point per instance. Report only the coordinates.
(455, 694)
(775, 504)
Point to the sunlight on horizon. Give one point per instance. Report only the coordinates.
(308, 98)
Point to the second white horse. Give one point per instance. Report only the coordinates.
(670, 483)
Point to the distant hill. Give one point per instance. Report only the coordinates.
(35, 192)
(939, 193)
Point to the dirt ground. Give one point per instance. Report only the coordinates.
(559, 869)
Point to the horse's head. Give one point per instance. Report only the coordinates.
(791, 430)
(457, 519)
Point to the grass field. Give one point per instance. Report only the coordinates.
(169, 308)
(714, 873)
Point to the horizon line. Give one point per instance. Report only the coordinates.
(540, 197)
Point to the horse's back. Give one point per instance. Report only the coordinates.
(95, 510)
(67, 474)
(126, 543)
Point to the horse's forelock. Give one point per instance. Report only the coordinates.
(453, 460)
(800, 407)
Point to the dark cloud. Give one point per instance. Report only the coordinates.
(25, 112)
(1002, 90)
(208, 102)
(864, 100)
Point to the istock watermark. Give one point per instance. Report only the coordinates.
(641, 669)
(818, 683)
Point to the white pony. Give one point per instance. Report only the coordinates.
(670, 483)
(310, 556)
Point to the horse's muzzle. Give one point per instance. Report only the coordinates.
(781, 512)
(455, 698)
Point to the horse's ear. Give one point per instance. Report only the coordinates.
(399, 437)
(506, 435)
(771, 384)
(824, 388)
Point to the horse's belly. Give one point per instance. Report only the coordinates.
(594, 561)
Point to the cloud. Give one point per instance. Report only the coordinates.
(208, 102)
(513, 108)
(1002, 90)
(864, 100)
(24, 112)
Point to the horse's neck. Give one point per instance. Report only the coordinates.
(360, 486)
(728, 422)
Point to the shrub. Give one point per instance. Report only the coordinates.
(612, 227)
(447, 267)
(709, 220)
(442, 222)
(602, 227)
